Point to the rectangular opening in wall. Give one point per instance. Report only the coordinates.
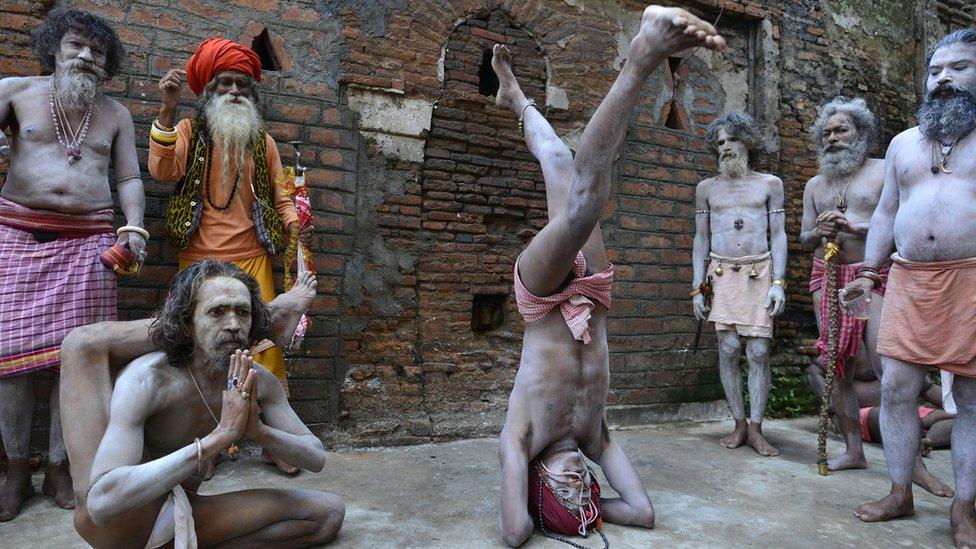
(487, 312)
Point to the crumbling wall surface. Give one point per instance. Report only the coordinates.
(424, 192)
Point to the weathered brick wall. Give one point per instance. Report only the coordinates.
(424, 192)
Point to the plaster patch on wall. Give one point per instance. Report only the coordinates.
(406, 148)
(847, 21)
(768, 86)
(395, 124)
(556, 97)
(736, 87)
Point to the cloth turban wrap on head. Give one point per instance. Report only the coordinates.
(216, 55)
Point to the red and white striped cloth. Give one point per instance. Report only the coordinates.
(574, 302)
(850, 331)
(47, 289)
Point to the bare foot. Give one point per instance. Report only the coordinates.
(928, 482)
(57, 484)
(848, 460)
(270, 459)
(16, 490)
(899, 503)
(664, 31)
(287, 308)
(756, 441)
(737, 437)
(962, 522)
(509, 93)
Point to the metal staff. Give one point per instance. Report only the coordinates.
(830, 294)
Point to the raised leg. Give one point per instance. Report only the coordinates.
(57, 477)
(514, 520)
(729, 351)
(760, 381)
(550, 256)
(16, 412)
(900, 386)
(962, 516)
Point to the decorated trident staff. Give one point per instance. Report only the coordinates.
(297, 254)
(831, 249)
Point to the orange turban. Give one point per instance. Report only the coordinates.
(216, 55)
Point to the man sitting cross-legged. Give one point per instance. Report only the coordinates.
(556, 412)
(172, 412)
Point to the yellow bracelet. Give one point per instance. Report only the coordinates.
(780, 282)
(162, 138)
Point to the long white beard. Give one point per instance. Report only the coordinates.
(843, 162)
(733, 167)
(77, 89)
(236, 125)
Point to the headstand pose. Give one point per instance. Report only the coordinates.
(556, 413)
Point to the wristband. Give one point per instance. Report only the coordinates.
(132, 229)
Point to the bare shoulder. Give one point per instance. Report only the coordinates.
(814, 184)
(905, 138)
(17, 84)
(772, 182)
(705, 185)
(148, 377)
(116, 109)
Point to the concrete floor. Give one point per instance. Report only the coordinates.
(445, 495)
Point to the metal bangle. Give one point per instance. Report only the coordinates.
(132, 229)
(199, 456)
(127, 178)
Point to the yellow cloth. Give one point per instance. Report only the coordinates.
(227, 235)
(260, 268)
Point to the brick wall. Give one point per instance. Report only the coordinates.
(424, 192)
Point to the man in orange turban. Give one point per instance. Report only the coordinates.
(226, 204)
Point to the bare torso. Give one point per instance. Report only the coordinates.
(40, 176)
(862, 199)
(746, 199)
(936, 217)
(564, 381)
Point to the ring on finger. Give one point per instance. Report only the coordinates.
(245, 394)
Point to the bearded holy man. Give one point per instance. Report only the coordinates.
(226, 204)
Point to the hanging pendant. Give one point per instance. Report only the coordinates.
(74, 155)
(935, 171)
(738, 224)
(842, 206)
(943, 169)
(719, 271)
(752, 272)
(736, 268)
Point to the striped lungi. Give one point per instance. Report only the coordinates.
(49, 288)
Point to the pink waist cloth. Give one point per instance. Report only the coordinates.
(850, 331)
(575, 301)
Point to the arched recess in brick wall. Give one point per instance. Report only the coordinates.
(483, 197)
(652, 225)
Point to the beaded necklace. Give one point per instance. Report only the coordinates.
(68, 137)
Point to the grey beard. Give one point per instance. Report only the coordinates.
(76, 90)
(235, 126)
(842, 163)
(734, 167)
(945, 117)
